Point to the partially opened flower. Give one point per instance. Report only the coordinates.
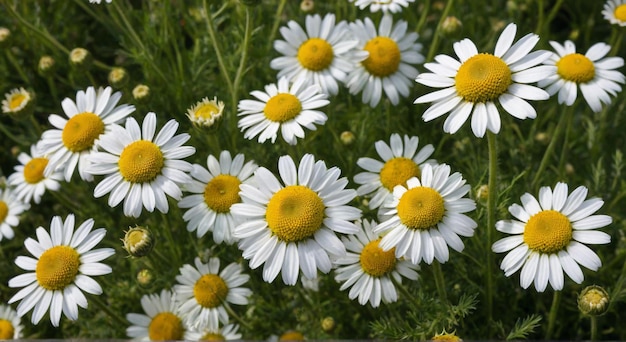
(592, 72)
(368, 270)
(477, 81)
(29, 180)
(203, 291)
(615, 12)
(161, 321)
(549, 237)
(393, 6)
(63, 264)
(10, 210)
(10, 325)
(292, 227)
(17, 102)
(226, 333)
(206, 113)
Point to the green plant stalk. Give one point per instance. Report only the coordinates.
(102, 306)
(554, 308)
(594, 328)
(434, 45)
(491, 221)
(552, 14)
(568, 129)
(10, 135)
(423, 16)
(218, 50)
(233, 314)
(234, 95)
(548, 153)
(540, 16)
(440, 282)
(398, 285)
(17, 66)
(277, 20)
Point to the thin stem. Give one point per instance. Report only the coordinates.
(434, 45)
(423, 16)
(10, 135)
(594, 328)
(277, 19)
(238, 76)
(440, 282)
(402, 289)
(556, 300)
(540, 15)
(548, 153)
(17, 66)
(216, 46)
(553, 12)
(491, 220)
(104, 307)
(233, 314)
(568, 129)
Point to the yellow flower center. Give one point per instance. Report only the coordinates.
(81, 131)
(376, 262)
(421, 208)
(33, 170)
(315, 54)
(4, 211)
(206, 111)
(57, 267)
(295, 213)
(6, 330)
(482, 78)
(16, 101)
(548, 232)
(141, 161)
(384, 58)
(292, 336)
(166, 326)
(397, 171)
(282, 107)
(620, 12)
(222, 192)
(212, 337)
(210, 291)
(576, 68)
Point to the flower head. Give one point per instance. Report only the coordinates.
(10, 210)
(293, 227)
(226, 333)
(63, 264)
(161, 322)
(393, 6)
(10, 324)
(206, 113)
(549, 237)
(284, 107)
(141, 168)
(592, 72)
(615, 12)
(18, 102)
(29, 180)
(477, 81)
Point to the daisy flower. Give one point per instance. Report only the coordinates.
(293, 227)
(10, 210)
(206, 113)
(615, 12)
(368, 269)
(214, 191)
(63, 264)
(391, 51)
(592, 72)
(225, 333)
(427, 216)
(141, 168)
(322, 55)
(393, 6)
(29, 180)
(161, 322)
(549, 237)
(203, 291)
(474, 83)
(74, 139)
(400, 161)
(10, 325)
(17, 101)
(284, 107)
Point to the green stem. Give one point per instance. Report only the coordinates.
(104, 307)
(238, 77)
(218, 50)
(434, 45)
(233, 314)
(440, 282)
(540, 16)
(277, 20)
(10, 135)
(568, 128)
(491, 220)
(17, 67)
(398, 285)
(556, 300)
(423, 16)
(548, 153)
(594, 328)
(553, 12)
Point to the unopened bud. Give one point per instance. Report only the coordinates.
(5, 37)
(138, 241)
(145, 277)
(451, 27)
(307, 5)
(80, 58)
(118, 77)
(347, 138)
(46, 66)
(328, 324)
(141, 92)
(483, 192)
(593, 300)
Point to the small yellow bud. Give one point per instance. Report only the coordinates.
(328, 324)
(569, 169)
(145, 277)
(347, 138)
(118, 77)
(141, 92)
(138, 241)
(483, 192)
(46, 66)
(206, 113)
(542, 137)
(307, 5)
(5, 37)
(80, 58)
(451, 27)
(593, 301)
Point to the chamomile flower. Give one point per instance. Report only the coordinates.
(142, 168)
(427, 216)
(206, 113)
(320, 55)
(473, 84)
(74, 139)
(401, 160)
(284, 107)
(592, 72)
(10, 210)
(162, 321)
(17, 101)
(292, 227)
(391, 51)
(393, 6)
(203, 291)
(10, 325)
(63, 264)
(615, 12)
(368, 269)
(29, 181)
(214, 191)
(550, 236)
(226, 333)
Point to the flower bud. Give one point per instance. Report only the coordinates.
(46, 66)
(118, 77)
(593, 300)
(5, 37)
(328, 324)
(347, 138)
(145, 277)
(307, 5)
(80, 58)
(451, 27)
(18, 103)
(141, 92)
(138, 241)
(482, 193)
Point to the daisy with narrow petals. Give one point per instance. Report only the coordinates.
(63, 264)
(427, 216)
(368, 269)
(549, 237)
(473, 84)
(10, 325)
(29, 180)
(162, 321)
(322, 55)
(74, 139)
(226, 333)
(17, 101)
(284, 107)
(292, 227)
(615, 12)
(203, 291)
(401, 160)
(214, 191)
(388, 67)
(10, 210)
(393, 6)
(141, 168)
(594, 73)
